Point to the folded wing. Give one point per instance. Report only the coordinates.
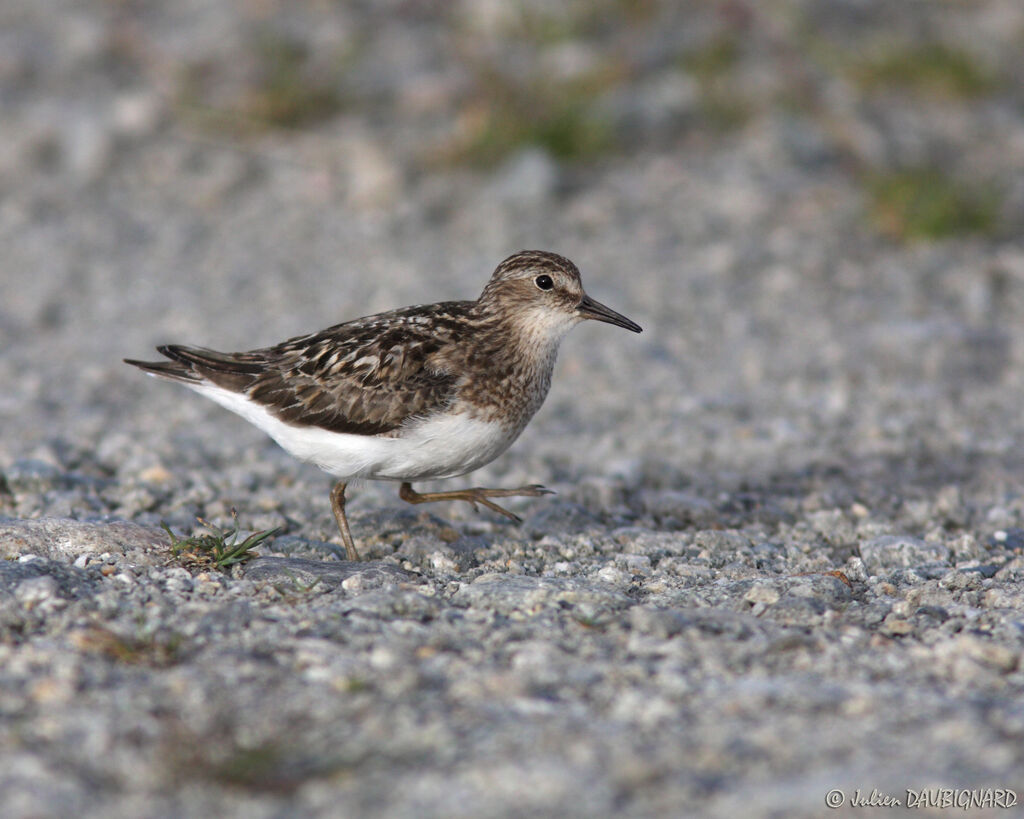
(366, 377)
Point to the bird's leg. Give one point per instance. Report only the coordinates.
(338, 505)
(474, 496)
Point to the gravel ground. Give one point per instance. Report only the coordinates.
(787, 551)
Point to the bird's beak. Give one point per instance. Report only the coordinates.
(590, 309)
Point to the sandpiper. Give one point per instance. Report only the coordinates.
(424, 392)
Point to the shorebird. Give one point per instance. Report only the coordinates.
(425, 392)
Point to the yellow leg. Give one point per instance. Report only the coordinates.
(338, 505)
(474, 496)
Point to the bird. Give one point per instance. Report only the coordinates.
(419, 393)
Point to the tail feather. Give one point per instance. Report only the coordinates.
(213, 361)
(172, 370)
(196, 365)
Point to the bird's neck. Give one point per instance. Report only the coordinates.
(515, 359)
(524, 342)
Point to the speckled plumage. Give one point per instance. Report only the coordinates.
(420, 392)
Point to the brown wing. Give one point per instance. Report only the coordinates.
(365, 377)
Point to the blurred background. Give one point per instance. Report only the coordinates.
(814, 207)
(917, 104)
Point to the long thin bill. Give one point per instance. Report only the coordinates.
(591, 309)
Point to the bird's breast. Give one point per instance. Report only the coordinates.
(508, 390)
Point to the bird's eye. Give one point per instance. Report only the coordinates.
(544, 282)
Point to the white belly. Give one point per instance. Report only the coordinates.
(441, 447)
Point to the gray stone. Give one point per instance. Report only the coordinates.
(299, 574)
(87, 145)
(507, 594)
(558, 516)
(296, 545)
(527, 179)
(33, 475)
(661, 623)
(900, 551)
(37, 581)
(66, 539)
(682, 506)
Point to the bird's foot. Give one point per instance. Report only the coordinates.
(476, 495)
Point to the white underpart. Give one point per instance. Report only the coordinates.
(439, 447)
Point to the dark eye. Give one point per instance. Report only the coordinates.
(544, 282)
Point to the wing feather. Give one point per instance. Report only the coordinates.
(365, 377)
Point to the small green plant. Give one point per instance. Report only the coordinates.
(286, 86)
(278, 766)
(159, 649)
(289, 93)
(713, 59)
(721, 103)
(541, 24)
(932, 68)
(561, 116)
(925, 203)
(221, 549)
(565, 128)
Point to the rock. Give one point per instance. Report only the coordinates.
(765, 594)
(660, 623)
(721, 547)
(136, 114)
(373, 178)
(87, 146)
(508, 593)
(683, 507)
(1011, 538)
(559, 516)
(899, 552)
(291, 545)
(526, 180)
(794, 600)
(299, 574)
(43, 581)
(64, 539)
(32, 475)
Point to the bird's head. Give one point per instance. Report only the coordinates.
(542, 292)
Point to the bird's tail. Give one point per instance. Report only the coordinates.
(195, 365)
(171, 370)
